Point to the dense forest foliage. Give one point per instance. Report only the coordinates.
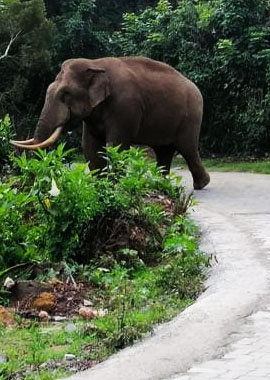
(222, 45)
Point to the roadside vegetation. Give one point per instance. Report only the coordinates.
(115, 252)
(230, 164)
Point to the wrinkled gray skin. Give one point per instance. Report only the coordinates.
(131, 100)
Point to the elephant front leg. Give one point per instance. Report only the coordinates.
(92, 148)
(164, 156)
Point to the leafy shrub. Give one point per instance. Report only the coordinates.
(14, 225)
(183, 262)
(6, 135)
(62, 212)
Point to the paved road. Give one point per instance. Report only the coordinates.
(243, 202)
(227, 331)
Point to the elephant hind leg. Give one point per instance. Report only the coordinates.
(187, 145)
(164, 155)
(200, 176)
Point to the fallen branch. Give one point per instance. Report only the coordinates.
(23, 265)
(12, 39)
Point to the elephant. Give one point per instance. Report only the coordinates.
(124, 101)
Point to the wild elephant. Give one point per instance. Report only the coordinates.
(128, 100)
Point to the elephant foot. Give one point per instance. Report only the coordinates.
(198, 185)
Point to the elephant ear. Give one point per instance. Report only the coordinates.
(99, 87)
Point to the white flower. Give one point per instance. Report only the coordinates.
(54, 189)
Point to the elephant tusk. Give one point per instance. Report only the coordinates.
(43, 144)
(30, 141)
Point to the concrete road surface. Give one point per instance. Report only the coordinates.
(225, 335)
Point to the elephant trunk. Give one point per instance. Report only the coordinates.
(54, 116)
(44, 129)
(43, 138)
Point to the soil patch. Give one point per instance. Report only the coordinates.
(61, 299)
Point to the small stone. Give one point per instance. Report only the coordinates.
(43, 316)
(87, 313)
(9, 283)
(69, 357)
(3, 359)
(87, 303)
(70, 328)
(59, 318)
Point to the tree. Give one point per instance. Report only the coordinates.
(27, 57)
(12, 40)
(224, 46)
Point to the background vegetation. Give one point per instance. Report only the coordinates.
(223, 45)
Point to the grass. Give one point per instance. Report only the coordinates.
(26, 345)
(229, 165)
(33, 345)
(135, 300)
(135, 306)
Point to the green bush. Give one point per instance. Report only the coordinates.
(14, 224)
(183, 262)
(54, 211)
(6, 134)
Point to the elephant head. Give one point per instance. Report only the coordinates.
(77, 90)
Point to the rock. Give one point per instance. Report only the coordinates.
(70, 327)
(69, 357)
(44, 301)
(43, 316)
(59, 318)
(8, 283)
(24, 289)
(3, 359)
(90, 313)
(87, 313)
(87, 303)
(6, 317)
